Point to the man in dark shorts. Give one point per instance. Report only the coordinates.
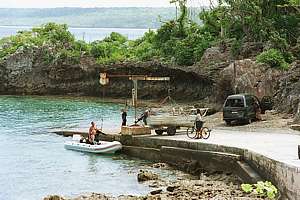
(124, 117)
(198, 121)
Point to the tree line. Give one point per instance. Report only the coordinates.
(181, 41)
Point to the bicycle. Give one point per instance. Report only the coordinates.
(194, 134)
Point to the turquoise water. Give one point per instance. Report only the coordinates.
(34, 163)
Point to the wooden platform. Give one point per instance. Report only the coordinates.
(135, 130)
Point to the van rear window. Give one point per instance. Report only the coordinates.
(234, 103)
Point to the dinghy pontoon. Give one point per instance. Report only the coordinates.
(102, 147)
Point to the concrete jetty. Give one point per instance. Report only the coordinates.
(253, 156)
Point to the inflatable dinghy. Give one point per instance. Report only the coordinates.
(102, 147)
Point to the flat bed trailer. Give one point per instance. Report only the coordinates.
(171, 122)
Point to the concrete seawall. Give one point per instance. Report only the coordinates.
(219, 157)
(193, 155)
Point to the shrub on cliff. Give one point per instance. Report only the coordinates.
(274, 58)
(54, 33)
(143, 48)
(57, 44)
(23, 40)
(185, 47)
(110, 50)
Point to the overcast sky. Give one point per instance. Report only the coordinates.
(91, 3)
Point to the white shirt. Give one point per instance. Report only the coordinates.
(198, 117)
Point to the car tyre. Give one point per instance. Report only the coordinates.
(171, 130)
(159, 132)
(248, 121)
(228, 122)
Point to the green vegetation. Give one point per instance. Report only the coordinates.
(54, 40)
(179, 41)
(111, 49)
(262, 189)
(272, 57)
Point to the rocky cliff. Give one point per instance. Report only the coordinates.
(25, 73)
(287, 97)
(214, 78)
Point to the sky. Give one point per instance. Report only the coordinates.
(91, 3)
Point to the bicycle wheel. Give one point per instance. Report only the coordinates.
(205, 132)
(191, 132)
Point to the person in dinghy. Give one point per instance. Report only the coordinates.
(93, 133)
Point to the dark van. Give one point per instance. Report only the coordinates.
(240, 107)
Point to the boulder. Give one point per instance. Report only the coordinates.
(247, 76)
(250, 49)
(160, 165)
(213, 61)
(154, 192)
(287, 97)
(213, 55)
(145, 175)
(171, 188)
(54, 197)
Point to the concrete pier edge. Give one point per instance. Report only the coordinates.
(249, 165)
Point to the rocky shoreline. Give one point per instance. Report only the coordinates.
(199, 186)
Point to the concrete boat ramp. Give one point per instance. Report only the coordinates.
(269, 155)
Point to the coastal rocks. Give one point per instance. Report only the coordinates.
(145, 175)
(287, 98)
(160, 165)
(250, 49)
(185, 83)
(3, 79)
(217, 54)
(154, 192)
(25, 72)
(93, 196)
(54, 197)
(246, 76)
(15, 68)
(213, 61)
(171, 188)
(185, 189)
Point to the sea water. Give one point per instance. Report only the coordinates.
(34, 163)
(87, 34)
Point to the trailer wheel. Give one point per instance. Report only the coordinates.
(171, 130)
(159, 131)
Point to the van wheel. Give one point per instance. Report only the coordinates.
(159, 132)
(248, 121)
(171, 130)
(228, 122)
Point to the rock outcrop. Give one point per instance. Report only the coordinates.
(25, 72)
(53, 197)
(287, 98)
(215, 77)
(246, 76)
(145, 175)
